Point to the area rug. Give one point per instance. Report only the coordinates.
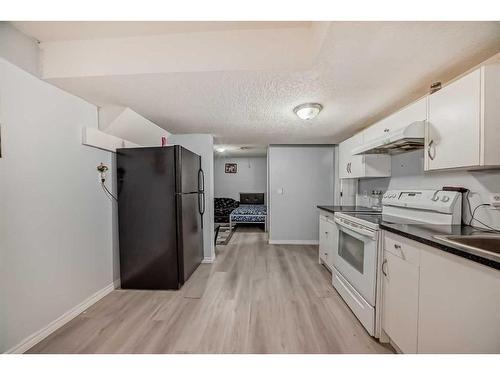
(224, 235)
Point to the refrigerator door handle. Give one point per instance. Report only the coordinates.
(201, 180)
(201, 203)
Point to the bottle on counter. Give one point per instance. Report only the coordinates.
(376, 199)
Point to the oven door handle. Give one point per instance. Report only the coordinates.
(364, 232)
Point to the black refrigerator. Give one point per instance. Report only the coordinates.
(161, 203)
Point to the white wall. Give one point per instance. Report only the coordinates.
(306, 175)
(251, 176)
(203, 145)
(408, 172)
(19, 49)
(55, 221)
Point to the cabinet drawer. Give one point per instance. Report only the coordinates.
(401, 247)
(325, 215)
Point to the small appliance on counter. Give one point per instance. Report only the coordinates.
(376, 199)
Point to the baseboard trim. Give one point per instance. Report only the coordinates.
(208, 260)
(293, 242)
(38, 336)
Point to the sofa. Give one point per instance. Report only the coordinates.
(223, 208)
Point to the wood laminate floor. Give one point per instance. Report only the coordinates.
(255, 298)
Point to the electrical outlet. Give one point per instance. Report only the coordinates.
(495, 200)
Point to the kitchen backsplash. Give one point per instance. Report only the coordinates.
(408, 173)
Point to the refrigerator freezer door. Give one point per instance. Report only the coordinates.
(188, 167)
(190, 235)
(147, 218)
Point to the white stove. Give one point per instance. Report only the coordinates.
(357, 261)
(422, 207)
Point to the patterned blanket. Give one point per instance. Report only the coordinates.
(250, 213)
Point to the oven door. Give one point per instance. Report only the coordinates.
(355, 257)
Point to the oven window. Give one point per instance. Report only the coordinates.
(352, 250)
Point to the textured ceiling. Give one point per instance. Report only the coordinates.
(364, 70)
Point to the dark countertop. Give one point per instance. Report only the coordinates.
(334, 209)
(425, 234)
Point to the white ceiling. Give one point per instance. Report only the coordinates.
(360, 72)
(231, 151)
(49, 31)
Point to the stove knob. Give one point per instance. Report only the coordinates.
(445, 199)
(435, 198)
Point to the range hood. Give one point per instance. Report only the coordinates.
(408, 138)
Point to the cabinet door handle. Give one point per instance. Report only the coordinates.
(398, 247)
(384, 263)
(429, 150)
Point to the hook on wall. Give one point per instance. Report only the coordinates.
(102, 169)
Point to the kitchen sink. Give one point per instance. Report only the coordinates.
(486, 246)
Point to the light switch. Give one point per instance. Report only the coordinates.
(280, 191)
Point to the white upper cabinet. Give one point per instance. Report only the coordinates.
(360, 166)
(345, 155)
(463, 129)
(416, 111)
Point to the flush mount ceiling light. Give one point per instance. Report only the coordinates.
(308, 111)
(220, 149)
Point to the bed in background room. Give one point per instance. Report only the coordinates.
(251, 210)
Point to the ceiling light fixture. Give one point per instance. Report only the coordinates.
(220, 149)
(308, 111)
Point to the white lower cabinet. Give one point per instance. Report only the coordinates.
(436, 302)
(400, 294)
(326, 239)
(459, 305)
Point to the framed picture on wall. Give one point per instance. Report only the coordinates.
(231, 168)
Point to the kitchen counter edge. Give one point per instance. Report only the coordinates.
(449, 248)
